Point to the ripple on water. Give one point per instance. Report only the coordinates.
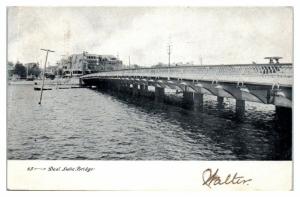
(73, 137)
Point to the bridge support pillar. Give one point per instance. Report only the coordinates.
(143, 90)
(145, 87)
(126, 87)
(240, 107)
(188, 99)
(284, 127)
(198, 99)
(220, 101)
(101, 85)
(118, 86)
(159, 94)
(284, 115)
(135, 89)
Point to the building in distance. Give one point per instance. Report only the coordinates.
(85, 63)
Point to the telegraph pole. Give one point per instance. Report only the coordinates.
(129, 61)
(169, 50)
(169, 53)
(27, 71)
(47, 51)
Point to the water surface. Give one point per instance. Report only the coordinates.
(89, 124)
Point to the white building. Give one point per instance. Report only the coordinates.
(85, 63)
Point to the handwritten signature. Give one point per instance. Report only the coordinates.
(211, 178)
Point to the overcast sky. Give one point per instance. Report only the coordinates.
(218, 35)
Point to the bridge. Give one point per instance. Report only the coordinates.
(263, 83)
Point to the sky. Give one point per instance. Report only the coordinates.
(215, 35)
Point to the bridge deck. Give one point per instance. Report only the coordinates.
(263, 74)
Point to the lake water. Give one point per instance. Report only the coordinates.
(89, 124)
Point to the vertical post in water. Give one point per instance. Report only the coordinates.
(47, 51)
(220, 102)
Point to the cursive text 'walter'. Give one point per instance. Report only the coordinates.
(211, 178)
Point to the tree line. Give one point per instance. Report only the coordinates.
(21, 70)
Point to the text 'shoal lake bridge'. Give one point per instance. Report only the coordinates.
(263, 83)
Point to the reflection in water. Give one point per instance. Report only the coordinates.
(88, 124)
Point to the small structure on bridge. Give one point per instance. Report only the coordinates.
(271, 59)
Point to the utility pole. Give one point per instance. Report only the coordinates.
(129, 61)
(169, 53)
(169, 50)
(47, 51)
(27, 71)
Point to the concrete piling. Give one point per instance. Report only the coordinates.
(188, 99)
(240, 107)
(198, 99)
(220, 102)
(159, 94)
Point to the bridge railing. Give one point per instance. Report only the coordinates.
(281, 74)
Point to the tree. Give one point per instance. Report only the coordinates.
(10, 64)
(60, 72)
(10, 68)
(34, 70)
(135, 66)
(20, 70)
(159, 65)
